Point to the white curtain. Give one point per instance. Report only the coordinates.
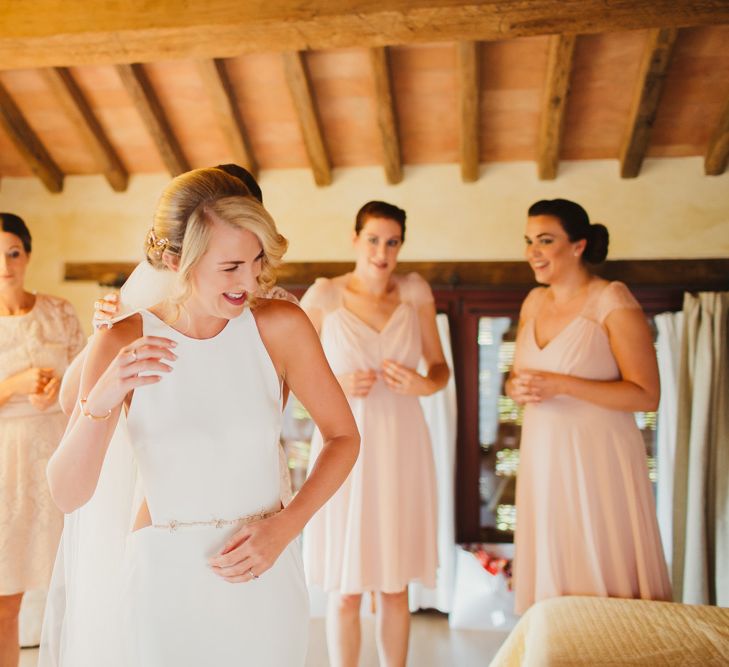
(440, 414)
(668, 347)
(701, 478)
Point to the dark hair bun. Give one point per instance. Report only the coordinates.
(597, 244)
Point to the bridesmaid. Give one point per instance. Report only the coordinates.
(40, 335)
(586, 520)
(378, 532)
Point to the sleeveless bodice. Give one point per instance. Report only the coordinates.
(206, 436)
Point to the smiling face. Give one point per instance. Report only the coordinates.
(13, 262)
(549, 251)
(227, 272)
(378, 245)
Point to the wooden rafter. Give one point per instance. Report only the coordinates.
(145, 100)
(70, 33)
(556, 91)
(303, 98)
(469, 110)
(78, 110)
(216, 80)
(717, 152)
(28, 143)
(656, 58)
(386, 115)
(680, 274)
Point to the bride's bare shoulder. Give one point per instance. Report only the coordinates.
(276, 312)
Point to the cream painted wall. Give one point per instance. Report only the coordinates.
(670, 211)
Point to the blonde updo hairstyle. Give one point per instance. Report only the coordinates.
(183, 222)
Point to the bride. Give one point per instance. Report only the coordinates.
(211, 571)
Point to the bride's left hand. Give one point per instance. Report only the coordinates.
(253, 549)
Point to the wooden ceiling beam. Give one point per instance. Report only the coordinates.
(216, 81)
(717, 152)
(149, 108)
(653, 67)
(28, 143)
(78, 110)
(676, 274)
(469, 104)
(303, 99)
(556, 91)
(386, 114)
(76, 32)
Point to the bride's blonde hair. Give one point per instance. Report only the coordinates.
(183, 220)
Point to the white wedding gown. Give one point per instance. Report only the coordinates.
(204, 451)
(205, 439)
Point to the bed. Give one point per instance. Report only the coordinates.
(571, 631)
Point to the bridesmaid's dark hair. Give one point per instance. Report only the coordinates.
(245, 176)
(13, 224)
(576, 224)
(380, 209)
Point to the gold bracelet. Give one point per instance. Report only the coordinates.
(88, 415)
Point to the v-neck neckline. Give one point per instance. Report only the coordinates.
(366, 325)
(369, 327)
(579, 316)
(567, 326)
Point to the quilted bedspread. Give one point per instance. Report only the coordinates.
(571, 631)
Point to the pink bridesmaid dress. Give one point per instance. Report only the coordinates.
(378, 532)
(586, 518)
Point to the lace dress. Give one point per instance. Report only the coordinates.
(48, 336)
(586, 519)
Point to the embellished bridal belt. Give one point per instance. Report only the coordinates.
(173, 524)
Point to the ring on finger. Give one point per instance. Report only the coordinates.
(253, 576)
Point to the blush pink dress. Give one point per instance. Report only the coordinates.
(586, 518)
(378, 532)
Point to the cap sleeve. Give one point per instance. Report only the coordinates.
(323, 295)
(615, 295)
(69, 322)
(415, 289)
(531, 304)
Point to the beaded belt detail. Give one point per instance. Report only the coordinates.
(173, 524)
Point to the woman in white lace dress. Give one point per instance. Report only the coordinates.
(39, 335)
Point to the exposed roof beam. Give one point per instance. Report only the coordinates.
(692, 274)
(76, 32)
(303, 98)
(28, 143)
(656, 58)
(556, 90)
(145, 100)
(216, 80)
(386, 115)
(717, 151)
(77, 109)
(469, 110)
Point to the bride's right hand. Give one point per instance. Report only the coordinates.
(105, 309)
(123, 373)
